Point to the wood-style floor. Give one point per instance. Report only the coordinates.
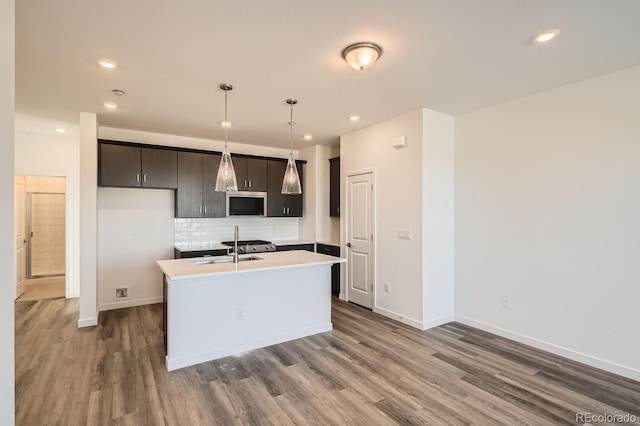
(368, 371)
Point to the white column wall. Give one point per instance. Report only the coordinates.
(88, 220)
(7, 189)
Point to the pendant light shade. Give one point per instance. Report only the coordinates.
(291, 181)
(226, 177)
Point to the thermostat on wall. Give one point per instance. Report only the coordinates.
(399, 142)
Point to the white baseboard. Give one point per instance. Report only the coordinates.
(398, 317)
(592, 361)
(127, 303)
(174, 364)
(87, 322)
(343, 296)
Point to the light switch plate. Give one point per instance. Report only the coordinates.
(404, 234)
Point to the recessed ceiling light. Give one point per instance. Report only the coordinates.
(308, 137)
(225, 123)
(354, 117)
(107, 64)
(110, 105)
(546, 36)
(61, 130)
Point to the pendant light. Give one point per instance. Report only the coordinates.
(291, 181)
(226, 178)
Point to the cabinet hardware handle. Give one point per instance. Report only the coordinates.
(200, 209)
(284, 210)
(245, 184)
(144, 177)
(249, 184)
(205, 209)
(137, 177)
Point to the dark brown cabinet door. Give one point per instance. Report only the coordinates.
(251, 173)
(275, 200)
(257, 174)
(334, 187)
(279, 205)
(159, 168)
(214, 202)
(189, 194)
(294, 202)
(119, 165)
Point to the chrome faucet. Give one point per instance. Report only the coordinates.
(236, 232)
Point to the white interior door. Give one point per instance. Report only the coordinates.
(21, 235)
(359, 242)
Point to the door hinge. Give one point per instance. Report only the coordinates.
(372, 237)
(371, 187)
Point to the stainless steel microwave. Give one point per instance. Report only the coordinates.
(245, 203)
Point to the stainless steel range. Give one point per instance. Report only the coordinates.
(252, 246)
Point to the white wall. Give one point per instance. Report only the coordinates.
(7, 243)
(399, 206)
(547, 214)
(136, 229)
(88, 220)
(437, 218)
(41, 154)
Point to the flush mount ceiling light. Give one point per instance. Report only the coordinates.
(362, 55)
(546, 36)
(291, 181)
(107, 64)
(110, 105)
(226, 178)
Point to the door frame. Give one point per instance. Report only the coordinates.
(345, 234)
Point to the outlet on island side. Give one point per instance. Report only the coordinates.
(122, 293)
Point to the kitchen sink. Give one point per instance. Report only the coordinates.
(225, 259)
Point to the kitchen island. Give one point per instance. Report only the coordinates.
(215, 308)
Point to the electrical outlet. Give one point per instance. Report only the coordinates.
(506, 303)
(386, 287)
(239, 313)
(121, 293)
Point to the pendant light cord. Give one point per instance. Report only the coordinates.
(226, 121)
(291, 124)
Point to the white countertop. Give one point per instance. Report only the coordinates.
(329, 243)
(186, 246)
(291, 242)
(179, 269)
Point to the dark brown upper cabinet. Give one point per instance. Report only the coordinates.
(196, 196)
(278, 204)
(251, 173)
(137, 167)
(334, 187)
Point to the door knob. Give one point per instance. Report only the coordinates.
(348, 244)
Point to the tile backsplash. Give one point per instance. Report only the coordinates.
(221, 229)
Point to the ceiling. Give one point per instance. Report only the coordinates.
(452, 56)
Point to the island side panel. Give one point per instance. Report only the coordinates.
(217, 316)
